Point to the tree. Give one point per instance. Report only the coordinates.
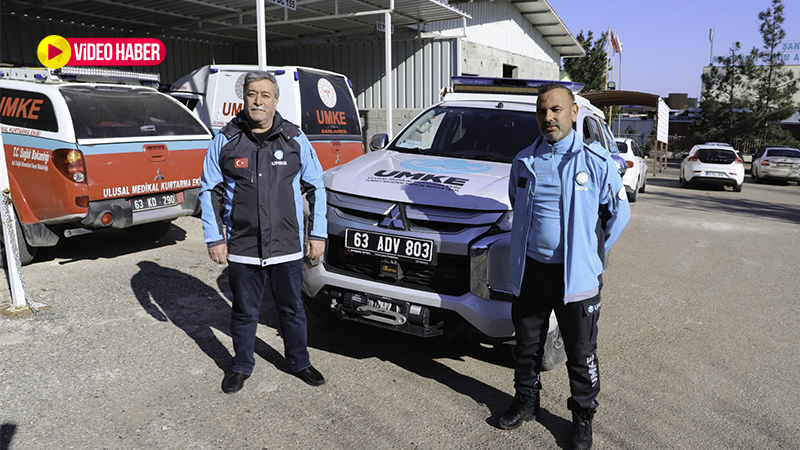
(772, 84)
(747, 96)
(591, 69)
(726, 101)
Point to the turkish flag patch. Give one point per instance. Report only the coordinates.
(240, 163)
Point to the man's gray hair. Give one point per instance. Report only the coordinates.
(259, 75)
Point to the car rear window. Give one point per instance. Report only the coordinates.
(474, 133)
(623, 147)
(112, 112)
(716, 156)
(784, 152)
(27, 109)
(327, 105)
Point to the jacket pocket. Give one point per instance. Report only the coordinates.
(590, 313)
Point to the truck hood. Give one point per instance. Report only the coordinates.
(425, 180)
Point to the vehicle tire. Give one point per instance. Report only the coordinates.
(737, 187)
(756, 177)
(684, 183)
(321, 308)
(644, 184)
(26, 252)
(633, 196)
(554, 351)
(149, 232)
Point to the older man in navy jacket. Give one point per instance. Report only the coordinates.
(253, 219)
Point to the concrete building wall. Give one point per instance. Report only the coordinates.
(501, 25)
(483, 60)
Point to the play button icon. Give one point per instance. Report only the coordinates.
(54, 52)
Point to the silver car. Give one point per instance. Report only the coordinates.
(776, 163)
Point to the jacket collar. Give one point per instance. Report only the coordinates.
(279, 126)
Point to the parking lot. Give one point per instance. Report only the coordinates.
(697, 348)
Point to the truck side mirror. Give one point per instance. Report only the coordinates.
(379, 141)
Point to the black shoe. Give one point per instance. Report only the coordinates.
(233, 382)
(523, 408)
(311, 376)
(582, 429)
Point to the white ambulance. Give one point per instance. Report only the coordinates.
(321, 103)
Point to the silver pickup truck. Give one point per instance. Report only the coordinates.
(419, 228)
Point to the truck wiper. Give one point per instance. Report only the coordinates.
(493, 158)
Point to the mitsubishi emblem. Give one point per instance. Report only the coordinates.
(394, 218)
(159, 176)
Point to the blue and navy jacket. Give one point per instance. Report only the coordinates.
(594, 211)
(251, 193)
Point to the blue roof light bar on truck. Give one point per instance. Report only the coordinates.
(488, 85)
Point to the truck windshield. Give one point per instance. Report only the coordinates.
(106, 112)
(472, 133)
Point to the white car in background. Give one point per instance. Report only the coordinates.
(635, 177)
(713, 163)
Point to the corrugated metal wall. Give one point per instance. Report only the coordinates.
(182, 56)
(420, 68)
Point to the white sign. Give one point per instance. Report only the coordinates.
(291, 4)
(381, 27)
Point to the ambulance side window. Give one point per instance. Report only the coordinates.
(27, 109)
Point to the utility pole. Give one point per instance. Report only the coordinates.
(711, 54)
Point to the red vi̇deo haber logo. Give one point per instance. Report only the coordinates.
(100, 51)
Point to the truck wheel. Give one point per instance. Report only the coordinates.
(554, 352)
(26, 252)
(149, 231)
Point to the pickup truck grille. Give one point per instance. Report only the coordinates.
(450, 275)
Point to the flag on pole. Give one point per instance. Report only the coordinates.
(615, 42)
(711, 34)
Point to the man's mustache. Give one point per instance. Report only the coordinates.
(258, 108)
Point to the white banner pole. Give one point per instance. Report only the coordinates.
(10, 235)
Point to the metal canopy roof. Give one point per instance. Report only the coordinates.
(601, 99)
(233, 21)
(545, 19)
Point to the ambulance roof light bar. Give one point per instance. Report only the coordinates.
(488, 85)
(85, 74)
(108, 75)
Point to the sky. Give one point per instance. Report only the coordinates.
(665, 43)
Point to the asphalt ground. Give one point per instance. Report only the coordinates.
(698, 349)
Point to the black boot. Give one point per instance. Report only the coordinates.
(582, 429)
(523, 408)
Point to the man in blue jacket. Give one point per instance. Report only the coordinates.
(569, 209)
(253, 175)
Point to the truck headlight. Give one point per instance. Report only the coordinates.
(503, 224)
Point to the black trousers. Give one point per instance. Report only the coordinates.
(542, 291)
(247, 284)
